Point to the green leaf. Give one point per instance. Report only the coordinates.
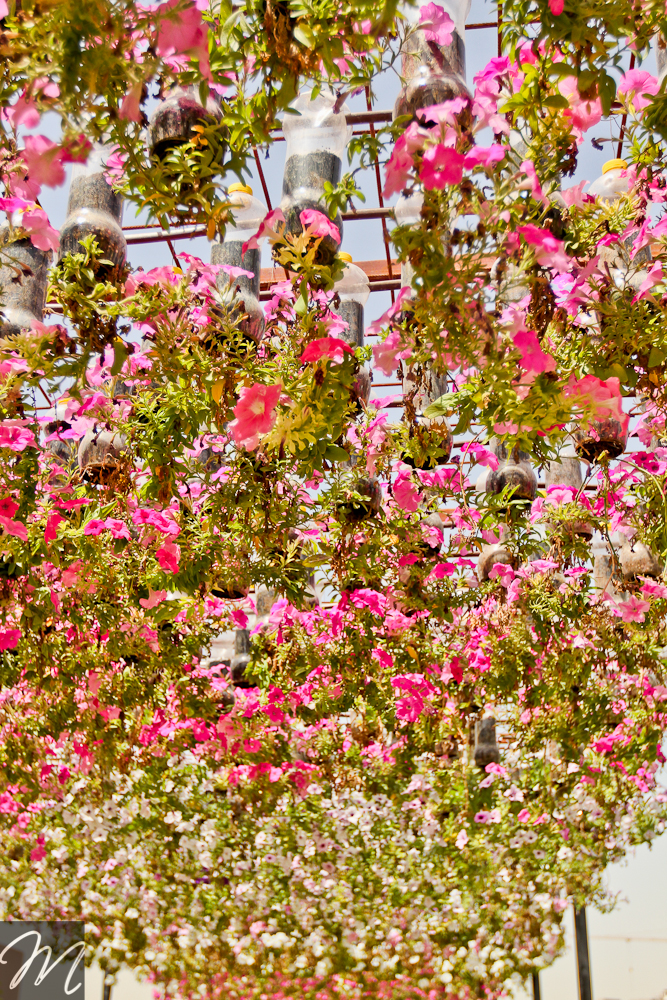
(119, 357)
(335, 454)
(303, 34)
(656, 357)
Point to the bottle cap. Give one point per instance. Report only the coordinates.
(614, 165)
(243, 188)
(347, 257)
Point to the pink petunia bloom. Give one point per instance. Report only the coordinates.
(117, 528)
(406, 494)
(183, 32)
(444, 113)
(44, 160)
(95, 527)
(168, 556)
(556, 7)
(15, 436)
(654, 277)
(485, 110)
(255, 413)
(548, 250)
(130, 109)
(319, 224)
(633, 610)
(15, 528)
(326, 347)
(653, 589)
(154, 598)
(485, 156)
(638, 85)
(436, 24)
(409, 709)
(401, 162)
(603, 396)
(574, 196)
(8, 507)
(269, 227)
(51, 529)
(9, 637)
(41, 232)
(461, 840)
(584, 113)
(533, 358)
(13, 204)
(23, 112)
(441, 166)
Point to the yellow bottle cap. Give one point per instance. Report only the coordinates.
(614, 165)
(243, 188)
(347, 257)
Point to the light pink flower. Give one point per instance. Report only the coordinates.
(154, 598)
(485, 156)
(436, 24)
(183, 32)
(654, 277)
(23, 112)
(42, 234)
(95, 527)
(319, 224)
(130, 109)
(326, 347)
(575, 195)
(583, 112)
(461, 840)
(406, 494)
(16, 436)
(638, 85)
(603, 396)
(549, 251)
(269, 227)
(633, 610)
(441, 166)
(401, 162)
(44, 160)
(254, 413)
(444, 113)
(15, 528)
(653, 589)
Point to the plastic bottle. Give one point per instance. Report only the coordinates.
(514, 470)
(248, 215)
(22, 301)
(353, 290)
(316, 140)
(407, 212)
(94, 209)
(175, 116)
(433, 73)
(660, 50)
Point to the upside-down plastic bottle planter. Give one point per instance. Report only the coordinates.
(316, 140)
(567, 472)
(608, 436)
(637, 560)
(433, 73)
(430, 437)
(248, 213)
(173, 121)
(368, 502)
(241, 657)
(94, 209)
(353, 290)
(100, 456)
(609, 187)
(514, 470)
(23, 278)
(486, 746)
(407, 212)
(489, 556)
(61, 448)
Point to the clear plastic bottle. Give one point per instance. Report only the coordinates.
(177, 112)
(430, 437)
(22, 302)
(248, 214)
(316, 140)
(94, 209)
(407, 212)
(514, 470)
(433, 73)
(660, 50)
(353, 290)
(613, 182)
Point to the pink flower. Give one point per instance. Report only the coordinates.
(523, 816)
(255, 413)
(168, 556)
(51, 529)
(37, 853)
(482, 455)
(575, 195)
(42, 234)
(326, 347)
(130, 109)
(638, 85)
(154, 598)
(95, 527)
(444, 113)
(548, 250)
(410, 708)
(603, 397)
(44, 160)
(485, 110)
(181, 32)
(441, 166)
(8, 507)
(653, 589)
(13, 204)
(533, 183)
(401, 161)
(9, 637)
(556, 7)
(117, 528)
(436, 24)
(485, 156)
(15, 528)
(24, 112)
(633, 610)
(319, 224)
(15, 436)
(583, 113)
(461, 840)
(533, 358)
(115, 166)
(654, 277)
(387, 353)
(406, 494)
(267, 228)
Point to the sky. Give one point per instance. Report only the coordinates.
(628, 946)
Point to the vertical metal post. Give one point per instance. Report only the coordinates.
(106, 989)
(536, 986)
(583, 958)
